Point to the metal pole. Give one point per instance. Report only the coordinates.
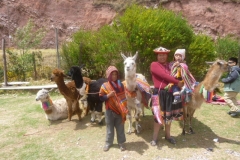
(239, 55)
(58, 56)
(4, 63)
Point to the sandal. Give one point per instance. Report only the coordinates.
(171, 140)
(153, 143)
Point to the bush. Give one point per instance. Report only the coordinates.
(227, 47)
(147, 29)
(200, 50)
(95, 49)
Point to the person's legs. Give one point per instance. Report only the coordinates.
(121, 138)
(168, 133)
(156, 128)
(109, 129)
(230, 99)
(176, 93)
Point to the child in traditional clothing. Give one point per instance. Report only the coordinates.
(112, 92)
(179, 70)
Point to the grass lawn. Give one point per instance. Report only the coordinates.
(26, 134)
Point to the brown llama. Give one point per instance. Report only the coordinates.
(209, 83)
(69, 92)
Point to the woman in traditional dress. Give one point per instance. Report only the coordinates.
(161, 77)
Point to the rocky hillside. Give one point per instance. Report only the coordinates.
(212, 17)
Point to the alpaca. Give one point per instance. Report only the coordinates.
(134, 91)
(91, 94)
(76, 74)
(69, 92)
(54, 110)
(209, 83)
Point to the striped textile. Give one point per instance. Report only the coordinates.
(46, 105)
(117, 103)
(144, 87)
(186, 75)
(206, 94)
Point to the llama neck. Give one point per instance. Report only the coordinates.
(131, 83)
(61, 85)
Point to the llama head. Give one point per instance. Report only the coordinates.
(76, 75)
(215, 72)
(57, 75)
(130, 63)
(42, 95)
(220, 66)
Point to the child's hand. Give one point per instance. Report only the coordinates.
(176, 64)
(112, 93)
(180, 84)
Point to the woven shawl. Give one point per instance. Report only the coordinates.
(186, 75)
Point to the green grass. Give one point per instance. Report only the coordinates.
(26, 134)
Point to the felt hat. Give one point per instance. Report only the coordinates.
(181, 52)
(110, 70)
(161, 50)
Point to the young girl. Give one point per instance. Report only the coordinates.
(112, 92)
(179, 70)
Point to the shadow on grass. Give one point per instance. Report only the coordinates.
(203, 138)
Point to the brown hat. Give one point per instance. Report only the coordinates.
(161, 50)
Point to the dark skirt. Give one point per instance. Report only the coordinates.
(169, 111)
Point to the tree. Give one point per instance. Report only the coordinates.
(21, 62)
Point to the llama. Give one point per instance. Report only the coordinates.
(94, 104)
(135, 93)
(54, 110)
(76, 74)
(69, 92)
(209, 83)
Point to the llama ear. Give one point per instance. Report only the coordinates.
(45, 90)
(220, 63)
(123, 56)
(209, 63)
(135, 56)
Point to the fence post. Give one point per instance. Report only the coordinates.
(4, 63)
(56, 40)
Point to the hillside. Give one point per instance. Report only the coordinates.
(212, 17)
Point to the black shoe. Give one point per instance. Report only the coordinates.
(106, 147)
(176, 101)
(171, 140)
(153, 143)
(122, 147)
(233, 114)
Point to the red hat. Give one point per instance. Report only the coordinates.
(161, 50)
(110, 70)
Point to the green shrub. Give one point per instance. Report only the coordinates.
(147, 29)
(200, 50)
(95, 49)
(227, 47)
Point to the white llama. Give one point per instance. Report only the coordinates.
(134, 91)
(54, 110)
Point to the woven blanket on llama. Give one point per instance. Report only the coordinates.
(144, 87)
